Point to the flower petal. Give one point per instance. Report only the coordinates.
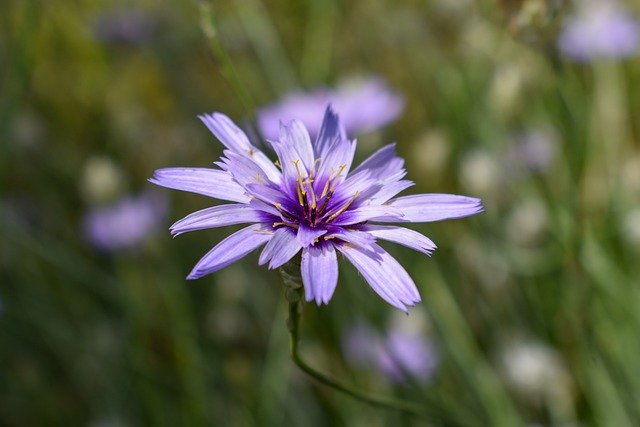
(319, 270)
(236, 140)
(402, 236)
(338, 156)
(382, 164)
(389, 190)
(227, 132)
(216, 216)
(369, 213)
(231, 249)
(435, 207)
(243, 169)
(297, 136)
(208, 182)
(289, 158)
(307, 235)
(384, 274)
(330, 131)
(280, 249)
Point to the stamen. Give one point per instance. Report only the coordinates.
(288, 224)
(344, 208)
(334, 175)
(313, 168)
(309, 183)
(326, 188)
(325, 201)
(296, 163)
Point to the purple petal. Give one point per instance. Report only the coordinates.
(216, 216)
(208, 182)
(280, 249)
(265, 207)
(297, 136)
(384, 274)
(227, 132)
(355, 237)
(231, 249)
(389, 190)
(330, 131)
(434, 207)
(235, 140)
(243, 169)
(265, 193)
(382, 164)
(338, 156)
(289, 158)
(307, 235)
(369, 213)
(319, 269)
(402, 236)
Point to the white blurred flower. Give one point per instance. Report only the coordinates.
(631, 227)
(430, 153)
(528, 222)
(537, 372)
(102, 180)
(480, 173)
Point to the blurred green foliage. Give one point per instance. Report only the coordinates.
(90, 338)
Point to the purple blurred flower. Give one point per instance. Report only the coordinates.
(360, 344)
(124, 26)
(125, 224)
(534, 150)
(312, 202)
(400, 355)
(363, 106)
(599, 29)
(407, 354)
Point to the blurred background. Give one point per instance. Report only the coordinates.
(530, 312)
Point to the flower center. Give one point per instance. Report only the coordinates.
(314, 209)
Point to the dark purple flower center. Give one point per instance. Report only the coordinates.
(312, 200)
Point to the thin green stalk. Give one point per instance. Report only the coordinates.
(208, 25)
(294, 294)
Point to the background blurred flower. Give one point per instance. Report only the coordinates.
(401, 354)
(125, 224)
(537, 373)
(363, 106)
(533, 150)
(124, 27)
(102, 180)
(599, 29)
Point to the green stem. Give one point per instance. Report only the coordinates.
(294, 296)
(208, 25)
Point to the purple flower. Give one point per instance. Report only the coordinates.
(124, 27)
(599, 29)
(363, 107)
(399, 355)
(125, 224)
(534, 150)
(312, 202)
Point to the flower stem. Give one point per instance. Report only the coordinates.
(210, 31)
(294, 296)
